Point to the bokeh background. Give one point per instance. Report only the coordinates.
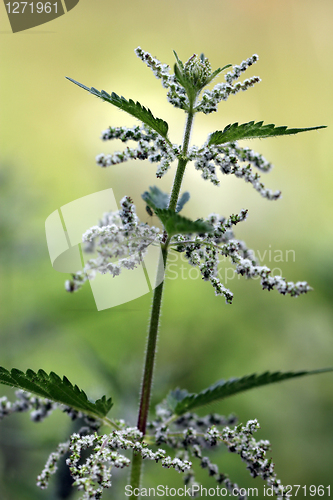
(50, 136)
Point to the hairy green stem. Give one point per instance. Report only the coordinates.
(135, 474)
(150, 353)
(155, 316)
(181, 163)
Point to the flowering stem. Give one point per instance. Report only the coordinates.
(155, 316)
(150, 353)
(135, 474)
(181, 163)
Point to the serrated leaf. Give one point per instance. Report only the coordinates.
(252, 130)
(56, 389)
(133, 108)
(176, 224)
(156, 198)
(175, 397)
(181, 401)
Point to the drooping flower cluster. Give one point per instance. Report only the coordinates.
(41, 408)
(51, 465)
(227, 158)
(151, 146)
(94, 475)
(188, 435)
(193, 434)
(203, 251)
(119, 236)
(240, 440)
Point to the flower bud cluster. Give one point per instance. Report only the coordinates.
(120, 236)
(197, 70)
(227, 158)
(151, 146)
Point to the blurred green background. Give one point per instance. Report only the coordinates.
(50, 136)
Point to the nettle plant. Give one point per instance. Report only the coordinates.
(175, 436)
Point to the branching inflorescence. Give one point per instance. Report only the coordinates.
(121, 241)
(113, 240)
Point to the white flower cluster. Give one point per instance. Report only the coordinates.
(199, 70)
(227, 158)
(238, 70)
(213, 471)
(120, 236)
(201, 432)
(240, 440)
(203, 251)
(176, 93)
(39, 408)
(151, 146)
(221, 92)
(94, 475)
(51, 465)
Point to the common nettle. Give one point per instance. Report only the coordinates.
(120, 241)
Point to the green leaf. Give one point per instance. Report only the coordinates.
(156, 198)
(56, 389)
(217, 72)
(182, 200)
(176, 224)
(183, 80)
(181, 401)
(133, 108)
(252, 130)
